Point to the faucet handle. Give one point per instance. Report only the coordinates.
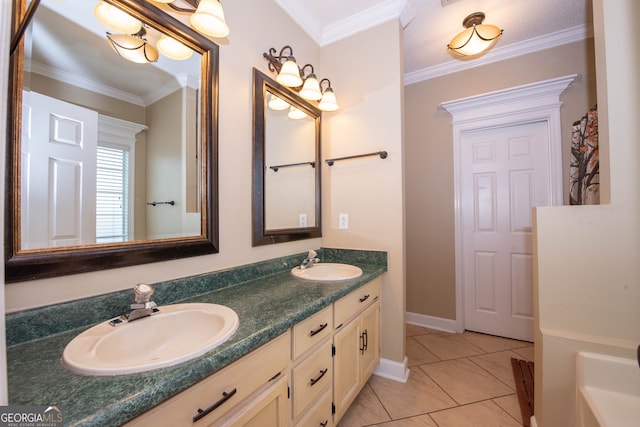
(312, 254)
(142, 293)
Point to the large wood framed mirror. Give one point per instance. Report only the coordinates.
(110, 163)
(286, 164)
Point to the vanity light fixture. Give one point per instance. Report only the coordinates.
(277, 103)
(295, 78)
(476, 38)
(173, 49)
(207, 18)
(328, 101)
(296, 113)
(133, 47)
(116, 19)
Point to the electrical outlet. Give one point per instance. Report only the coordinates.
(343, 221)
(302, 221)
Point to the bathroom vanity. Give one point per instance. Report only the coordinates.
(302, 352)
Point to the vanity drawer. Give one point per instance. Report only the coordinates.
(311, 331)
(320, 413)
(350, 305)
(311, 377)
(245, 376)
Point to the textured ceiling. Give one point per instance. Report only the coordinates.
(430, 25)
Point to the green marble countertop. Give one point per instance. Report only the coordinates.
(267, 305)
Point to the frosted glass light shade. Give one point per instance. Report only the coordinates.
(289, 74)
(209, 19)
(116, 19)
(311, 89)
(172, 48)
(296, 114)
(475, 39)
(328, 101)
(133, 48)
(277, 103)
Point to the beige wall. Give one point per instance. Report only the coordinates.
(369, 190)
(429, 159)
(586, 268)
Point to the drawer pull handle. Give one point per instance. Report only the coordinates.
(317, 331)
(204, 412)
(324, 423)
(364, 298)
(366, 339)
(313, 381)
(362, 345)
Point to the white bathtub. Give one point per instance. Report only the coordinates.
(608, 391)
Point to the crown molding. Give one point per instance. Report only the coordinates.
(375, 15)
(535, 44)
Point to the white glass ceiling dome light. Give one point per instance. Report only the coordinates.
(476, 38)
(173, 49)
(116, 19)
(133, 47)
(209, 19)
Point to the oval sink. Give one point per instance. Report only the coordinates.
(328, 271)
(178, 333)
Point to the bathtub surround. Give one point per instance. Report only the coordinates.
(266, 297)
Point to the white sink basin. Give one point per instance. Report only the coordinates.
(328, 271)
(178, 333)
(608, 390)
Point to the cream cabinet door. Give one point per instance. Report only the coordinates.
(370, 322)
(346, 367)
(268, 409)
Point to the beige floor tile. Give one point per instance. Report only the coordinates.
(511, 405)
(419, 395)
(412, 330)
(491, 343)
(526, 353)
(498, 365)
(481, 414)
(465, 381)
(419, 421)
(365, 410)
(448, 346)
(418, 354)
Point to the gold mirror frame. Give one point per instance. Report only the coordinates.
(261, 235)
(21, 265)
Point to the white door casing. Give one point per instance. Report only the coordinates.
(536, 102)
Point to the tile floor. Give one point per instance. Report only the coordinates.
(456, 380)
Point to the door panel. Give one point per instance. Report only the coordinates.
(505, 173)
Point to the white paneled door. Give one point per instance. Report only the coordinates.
(59, 173)
(504, 173)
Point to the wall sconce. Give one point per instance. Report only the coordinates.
(207, 18)
(277, 103)
(173, 49)
(296, 113)
(328, 101)
(116, 19)
(476, 38)
(294, 77)
(133, 47)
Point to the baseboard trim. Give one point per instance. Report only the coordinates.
(396, 371)
(431, 322)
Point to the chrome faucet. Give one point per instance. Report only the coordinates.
(142, 307)
(311, 259)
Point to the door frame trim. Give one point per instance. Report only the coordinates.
(535, 102)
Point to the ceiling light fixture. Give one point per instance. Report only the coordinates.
(295, 78)
(133, 47)
(476, 38)
(207, 18)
